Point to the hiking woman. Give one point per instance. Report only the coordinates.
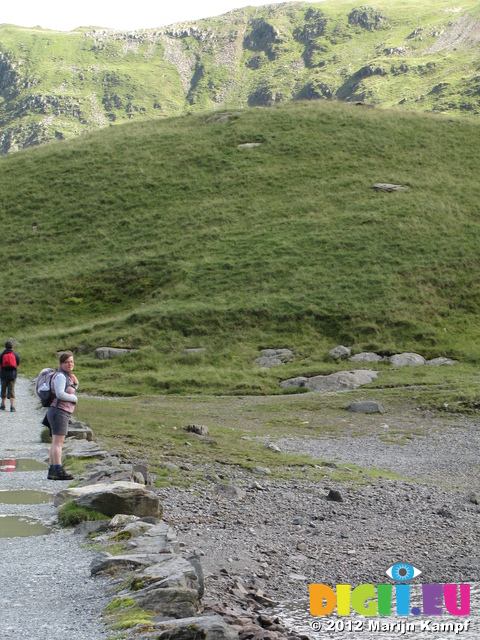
(65, 385)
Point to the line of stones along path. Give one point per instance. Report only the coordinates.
(46, 592)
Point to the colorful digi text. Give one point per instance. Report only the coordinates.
(386, 600)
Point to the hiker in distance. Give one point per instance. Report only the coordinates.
(65, 385)
(9, 361)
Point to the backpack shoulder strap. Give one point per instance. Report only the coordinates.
(55, 374)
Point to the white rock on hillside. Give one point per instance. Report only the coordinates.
(340, 381)
(366, 356)
(407, 360)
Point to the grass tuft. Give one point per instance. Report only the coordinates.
(70, 514)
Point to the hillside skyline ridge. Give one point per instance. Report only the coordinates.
(58, 17)
(57, 85)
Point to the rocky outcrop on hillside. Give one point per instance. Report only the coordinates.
(367, 18)
(258, 56)
(10, 79)
(315, 25)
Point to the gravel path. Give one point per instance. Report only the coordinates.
(46, 592)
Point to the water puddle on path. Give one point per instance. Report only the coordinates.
(21, 527)
(22, 464)
(25, 497)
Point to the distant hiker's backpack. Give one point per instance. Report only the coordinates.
(43, 387)
(9, 360)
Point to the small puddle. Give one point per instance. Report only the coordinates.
(22, 464)
(21, 527)
(25, 497)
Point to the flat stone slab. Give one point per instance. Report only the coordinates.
(172, 568)
(387, 187)
(368, 406)
(340, 381)
(160, 539)
(104, 561)
(83, 449)
(105, 353)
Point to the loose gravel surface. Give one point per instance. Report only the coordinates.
(46, 592)
(444, 455)
(274, 537)
(284, 535)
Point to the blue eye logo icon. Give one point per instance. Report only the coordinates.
(402, 572)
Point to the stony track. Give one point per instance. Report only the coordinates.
(274, 536)
(46, 592)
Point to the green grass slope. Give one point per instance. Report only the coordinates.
(167, 235)
(398, 54)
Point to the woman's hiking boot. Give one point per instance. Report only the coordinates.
(58, 474)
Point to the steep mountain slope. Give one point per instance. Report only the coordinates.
(171, 234)
(400, 53)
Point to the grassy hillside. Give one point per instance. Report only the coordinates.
(397, 54)
(169, 235)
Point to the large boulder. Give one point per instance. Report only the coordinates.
(407, 360)
(437, 362)
(340, 381)
(299, 381)
(366, 356)
(117, 497)
(340, 352)
(169, 586)
(274, 357)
